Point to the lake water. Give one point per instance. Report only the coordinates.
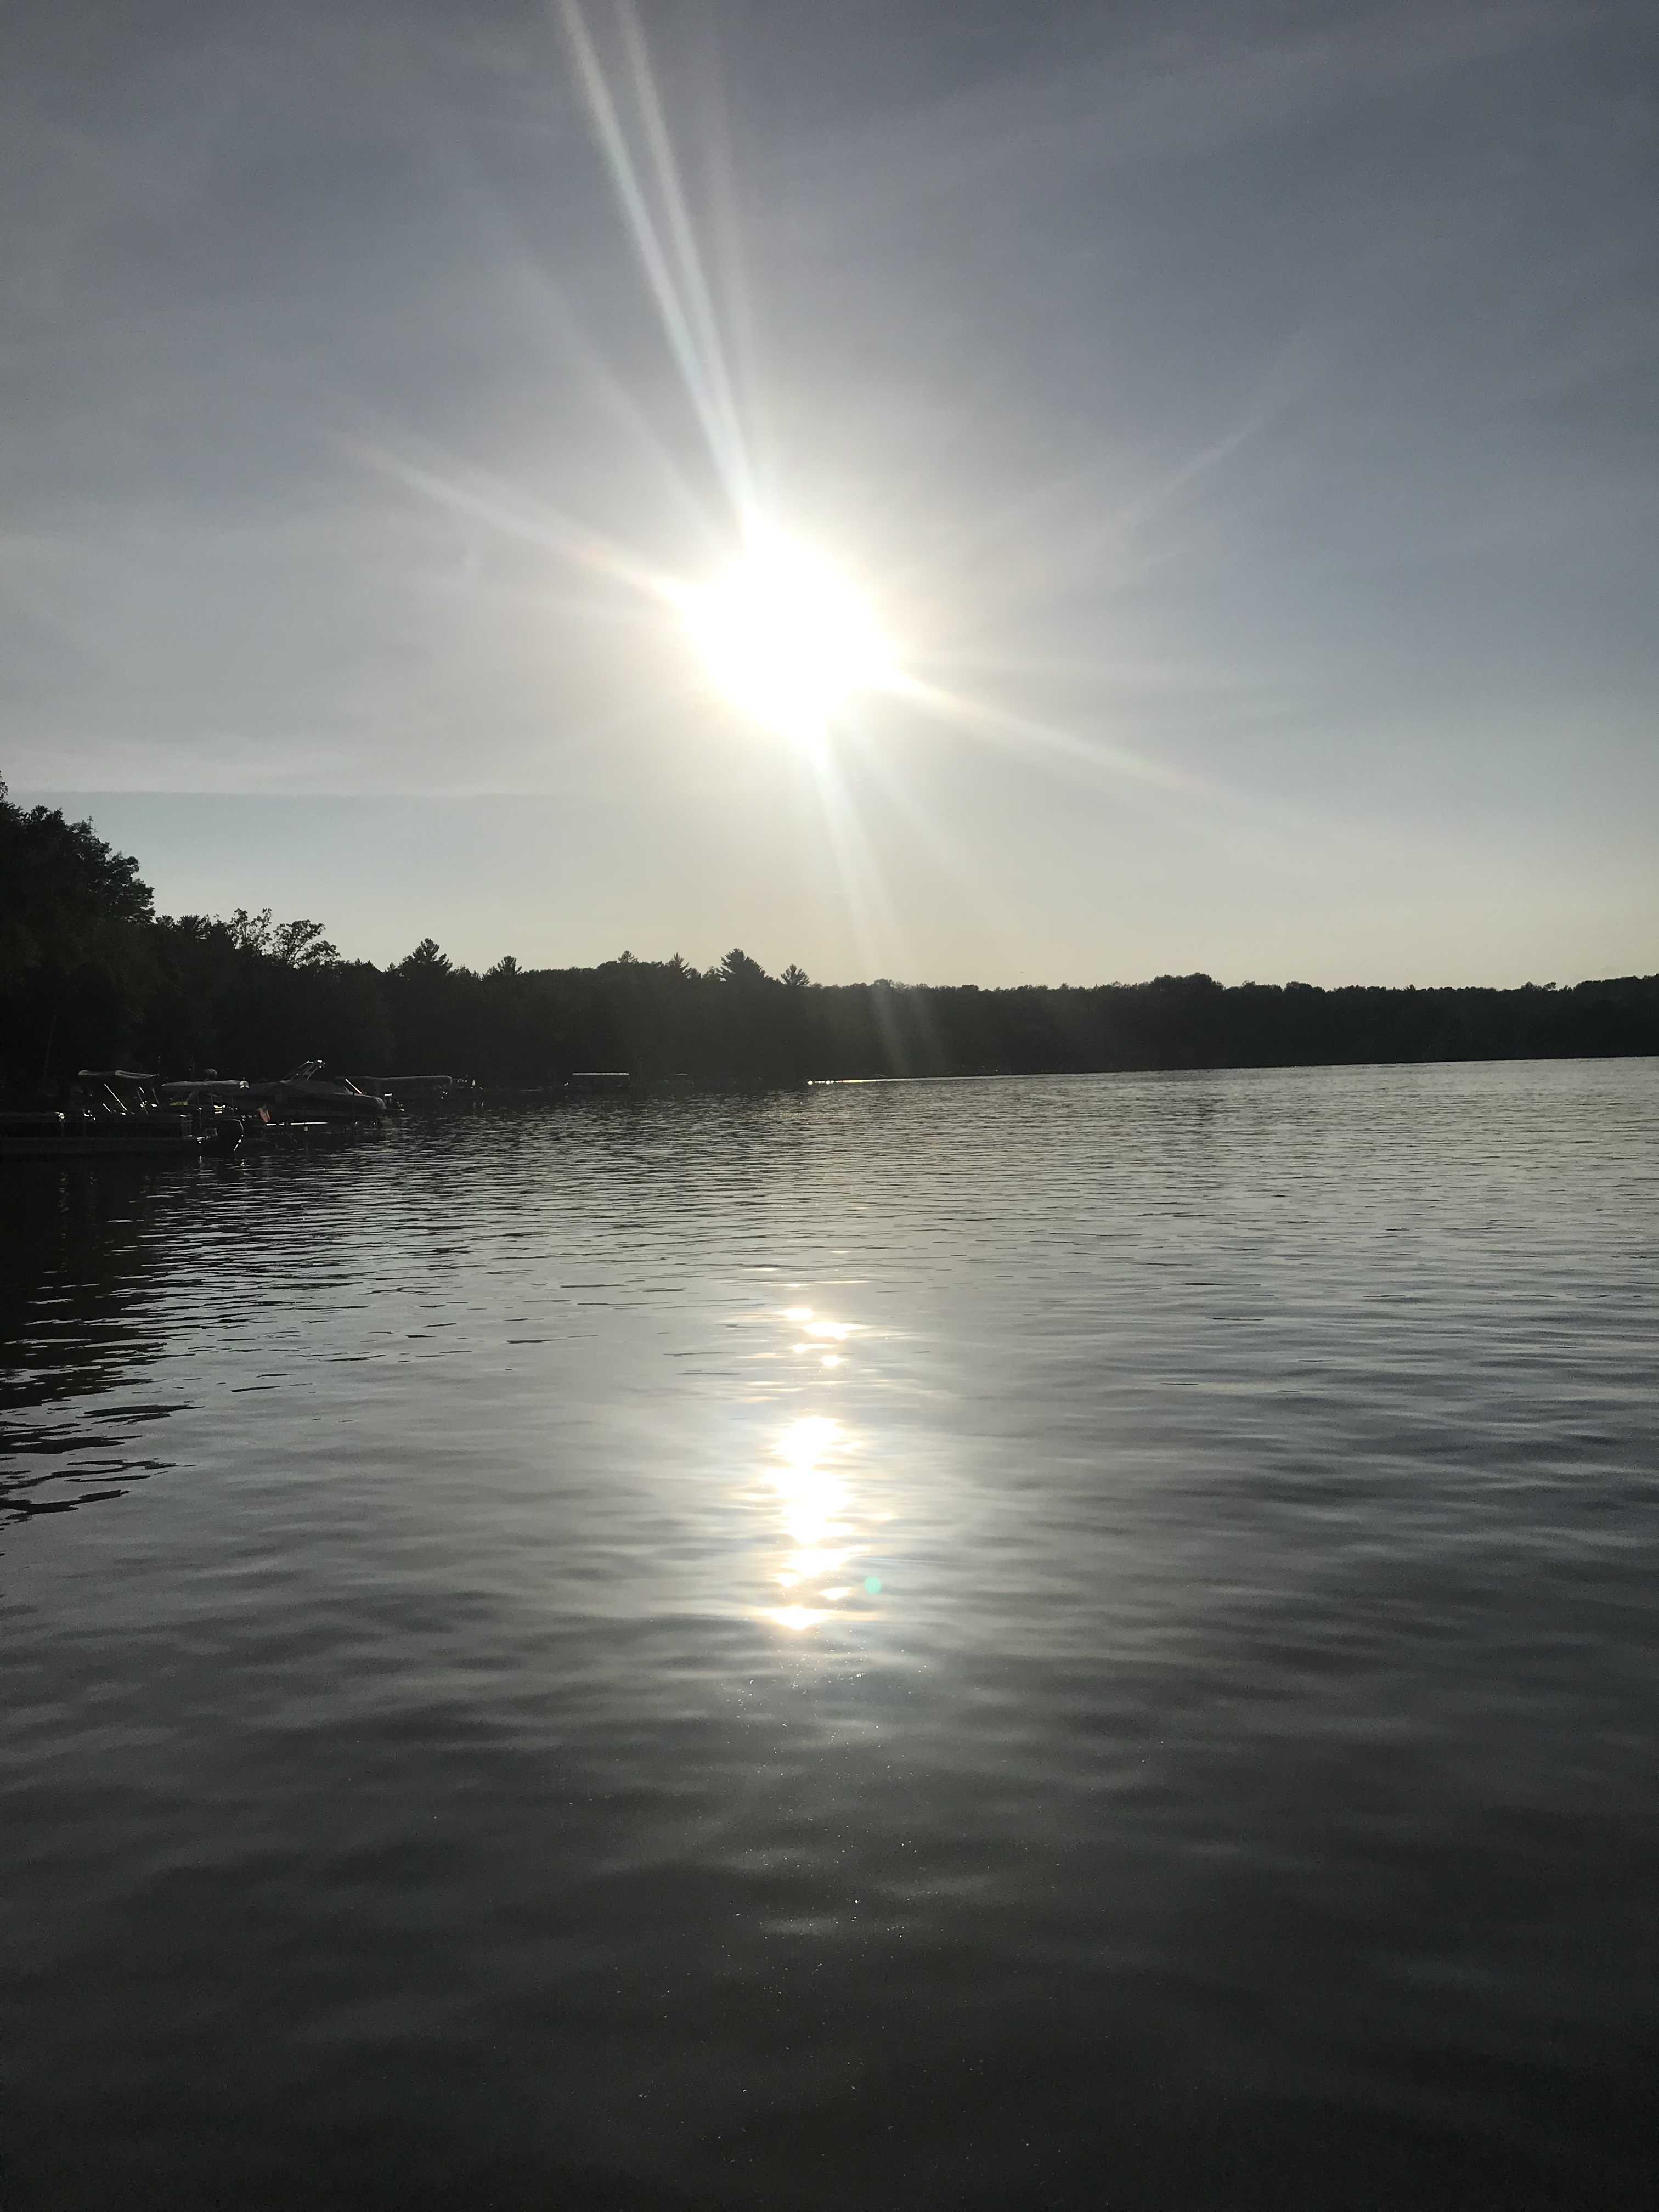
(1024, 1644)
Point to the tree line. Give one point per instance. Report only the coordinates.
(91, 976)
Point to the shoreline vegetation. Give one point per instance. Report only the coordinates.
(91, 976)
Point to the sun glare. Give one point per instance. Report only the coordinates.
(787, 637)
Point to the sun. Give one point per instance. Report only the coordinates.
(787, 637)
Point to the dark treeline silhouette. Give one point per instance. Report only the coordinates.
(91, 976)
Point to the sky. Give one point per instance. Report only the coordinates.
(1242, 420)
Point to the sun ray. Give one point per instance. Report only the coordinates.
(510, 512)
(733, 459)
(865, 897)
(984, 719)
(882, 763)
(682, 297)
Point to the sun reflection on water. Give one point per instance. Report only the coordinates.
(810, 1483)
(821, 1563)
(810, 1491)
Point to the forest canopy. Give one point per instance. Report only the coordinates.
(90, 975)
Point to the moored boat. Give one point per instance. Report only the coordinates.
(426, 1089)
(312, 1094)
(210, 1088)
(115, 1113)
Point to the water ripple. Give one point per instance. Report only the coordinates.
(1017, 1643)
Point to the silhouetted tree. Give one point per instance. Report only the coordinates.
(76, 956)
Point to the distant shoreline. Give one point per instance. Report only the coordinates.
(90, 975)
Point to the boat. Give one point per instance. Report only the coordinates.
(589, 1082)
(426, 1089)
(120, 1114)
(212, 1088)
(310, 1093)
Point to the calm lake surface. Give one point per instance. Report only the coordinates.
(1071, 1642)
